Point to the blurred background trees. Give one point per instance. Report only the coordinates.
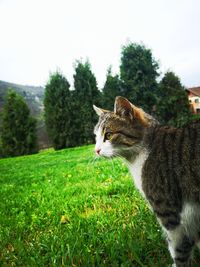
(68, 112)
(18, 134)
(57, 104)
(138, 74)
(84, 95)
(111, 89)
(172, 101)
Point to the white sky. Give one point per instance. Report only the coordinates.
(40, 36)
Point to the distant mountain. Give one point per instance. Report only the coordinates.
(34, 96)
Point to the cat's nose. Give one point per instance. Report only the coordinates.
(98, 150)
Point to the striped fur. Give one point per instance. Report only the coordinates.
(165, 163)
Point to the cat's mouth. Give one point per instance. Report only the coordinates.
(125, 151)
(99, 152)
(105, 155)
(122, 151)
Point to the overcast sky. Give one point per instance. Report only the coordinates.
(40, 36)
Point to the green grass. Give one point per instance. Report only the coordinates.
(64, 209)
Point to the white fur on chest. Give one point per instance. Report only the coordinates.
(136, 169)
(190, 218)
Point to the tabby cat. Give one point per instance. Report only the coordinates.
(164, 162)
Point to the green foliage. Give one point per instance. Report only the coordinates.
(57, 103)
(111, 89)
(138, 72)
(69, 115)
(33, 97)
(71, 211)
(85, 95)
(173, 106)
(18, 136)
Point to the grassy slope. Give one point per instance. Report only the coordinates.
(62, 209)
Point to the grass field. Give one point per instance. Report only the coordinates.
(65, 209)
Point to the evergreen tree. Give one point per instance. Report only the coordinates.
(57, 103)
(111, 89)
(85, 95)
(173, 106)
(18, 135)
(138, 72)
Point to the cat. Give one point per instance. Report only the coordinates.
(164, 162)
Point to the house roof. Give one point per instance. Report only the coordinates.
(194, 90)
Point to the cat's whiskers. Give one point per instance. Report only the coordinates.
(92, 161)
(116, 154)
(112, 164)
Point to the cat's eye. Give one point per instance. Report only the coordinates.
(107, 136)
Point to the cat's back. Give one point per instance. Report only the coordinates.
(172, 167)
(175, 147)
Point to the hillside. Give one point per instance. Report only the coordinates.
(34, 98)
(32, 94)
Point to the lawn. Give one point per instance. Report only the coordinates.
(63, 208)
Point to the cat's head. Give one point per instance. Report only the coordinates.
(120, 132)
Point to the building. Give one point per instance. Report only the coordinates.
(194, 99)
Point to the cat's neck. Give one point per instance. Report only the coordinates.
(137, 159)
(136, 166)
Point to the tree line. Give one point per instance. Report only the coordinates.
(68, 112)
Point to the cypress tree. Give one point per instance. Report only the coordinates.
(18, 135)
(138, 72)
(111, 89)
(85, 95)
(173, 105)
(57, 104)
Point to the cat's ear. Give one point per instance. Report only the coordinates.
(124, 108)
(99, 111)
